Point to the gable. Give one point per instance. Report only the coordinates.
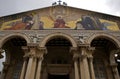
(57, 17)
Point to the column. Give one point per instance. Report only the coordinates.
(31, 68)
(38, 74)
(90, 62)
(25, 49)
(75, 58)
(22, 76)
(40, 59)
(76, 68)
(81, 68)
(85, 62)
(92, 74)
(115, 71)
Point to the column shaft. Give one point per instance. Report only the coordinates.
(76, 69)
(38, 74)
(86, 68)
(33, 70)
(22, 76)
(82, 75)
(85, 63)
(91, 68)
(29, 68)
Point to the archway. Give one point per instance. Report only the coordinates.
(59, 34)
(104, 46)
(58, 61)
(12, 65)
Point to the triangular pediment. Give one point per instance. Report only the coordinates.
(59, 17)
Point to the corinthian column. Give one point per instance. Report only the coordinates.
(85, 63)
(90, 61)
(25, 49)
(31, 68)
(41, 52)
(75, 58)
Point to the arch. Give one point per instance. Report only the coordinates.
(51, 36)
(107, 36)
(10, 36)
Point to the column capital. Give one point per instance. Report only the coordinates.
(42, 50)
(26, 50)
(32, 45)
(91, 48)
(73, 50)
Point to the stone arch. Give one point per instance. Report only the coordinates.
(51, 36)
(10, 36)
(107, 36)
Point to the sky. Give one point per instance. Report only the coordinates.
(8, 7)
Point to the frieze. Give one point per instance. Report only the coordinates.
(80, 35)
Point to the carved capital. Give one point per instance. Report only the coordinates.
(32, 45)
(42, 50)
(26, 50)
(91, 48)
(73, 50)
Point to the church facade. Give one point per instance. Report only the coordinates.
(60, 42)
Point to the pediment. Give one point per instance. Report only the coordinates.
(59, 17)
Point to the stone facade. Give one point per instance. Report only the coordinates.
(60, 53)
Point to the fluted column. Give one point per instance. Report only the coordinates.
(31, 67)
(85, 62)
(90, 62)
(41, 52)
(115, 71)
(75, 58)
